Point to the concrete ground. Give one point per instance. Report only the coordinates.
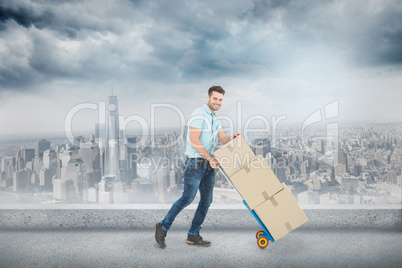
(324, 247)
(123, 236)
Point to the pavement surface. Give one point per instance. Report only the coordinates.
(124, 237)
(230, 248)
(84, 218)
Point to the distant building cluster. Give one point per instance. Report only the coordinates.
(363, 167)
(108, 168)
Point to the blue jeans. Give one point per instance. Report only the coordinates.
(197, 175)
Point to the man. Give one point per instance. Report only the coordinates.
(204, 129)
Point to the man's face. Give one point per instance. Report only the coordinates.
(215, 101)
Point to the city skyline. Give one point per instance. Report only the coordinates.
(276, 58)
(362, 168)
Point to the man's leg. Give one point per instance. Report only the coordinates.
(206, 192)
(192, 178)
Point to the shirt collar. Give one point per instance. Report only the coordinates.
(207, 109)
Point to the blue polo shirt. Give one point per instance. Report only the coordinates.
(202, 118)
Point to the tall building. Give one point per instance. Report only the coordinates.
(59, 189)
(92, 138)
(111, 166)
(132, 158)
(162, 184)
(262, 146)
(270, 160)
(280, 169)
(49, 159)
(172, 174)
(357, 170)
(303, 168)
(341, 166)
(28, 154)
(43, 145)
(45, 178)
(90, 155)
(93, 195)
(122, 173)
(21, 180)
(70, 153)
(19, 161)
(75, 168)
(100, 131)
(35, 178)
(185, 135)
(37, 164)
(23, 157)
(63, 189)
(5, 162)
(120, 196)
(10, 167)
(105, 194)
(321, 146)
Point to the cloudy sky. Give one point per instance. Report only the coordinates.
(272, 57)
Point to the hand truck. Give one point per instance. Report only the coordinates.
(263, 236)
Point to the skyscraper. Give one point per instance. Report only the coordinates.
(91, 157)
(262, 146)
(49, 159)
(28, 154)
(132, 157)
(172, 174)
(21, 180)
(111, 167)
(43, 145)
(162, 184)
(4, 164)
(280, 169)
(341, 166)
(100, 131)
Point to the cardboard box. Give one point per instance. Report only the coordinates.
(281, 214)
(256, 182)
(260, 188)
(233, 155)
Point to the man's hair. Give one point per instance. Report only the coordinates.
(217, 89)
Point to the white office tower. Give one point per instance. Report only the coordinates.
(45, 178)
(105, 195)
(63, 189)
(120, 196)
(172, 177)
(59, 189)
(93, 195)
(162, 184)
(4, 164)
(111, 167)
(270, 160)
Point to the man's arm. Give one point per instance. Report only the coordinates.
(225, 139)
(195, 134)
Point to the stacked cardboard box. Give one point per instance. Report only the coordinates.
(260, 188)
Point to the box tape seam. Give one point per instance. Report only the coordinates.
(288, 226)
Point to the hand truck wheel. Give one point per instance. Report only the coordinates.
(262, 242)
(258, 234)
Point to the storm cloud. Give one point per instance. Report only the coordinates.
(181, 41)
(287, 48)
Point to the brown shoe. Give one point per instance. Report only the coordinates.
(160, 235)
(197, 240)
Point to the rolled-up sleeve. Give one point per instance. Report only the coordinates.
(196, 120)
